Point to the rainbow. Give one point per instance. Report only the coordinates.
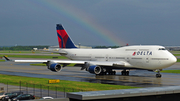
(77, 16)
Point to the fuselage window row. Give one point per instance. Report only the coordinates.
(136, 58)
(130, 50)
(99, 57)
(159, 58)
(116, 58)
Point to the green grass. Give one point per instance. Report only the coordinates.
(171, 71)
(27, 52)
(41, 64)
(178, 60)
(35, 56)
(20, 51)
(176, 54)
(76, 86)
(2, 60)
(38, 64)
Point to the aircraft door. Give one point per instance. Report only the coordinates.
(106, 57)
(147, 59)
(128, 58)
(90, 57)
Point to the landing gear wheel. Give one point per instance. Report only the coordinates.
(127, 73)
(158, 75)
(124, 72)
(107, 72)
(114, 72)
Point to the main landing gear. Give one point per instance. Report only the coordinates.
(107, 72)
(124, 72)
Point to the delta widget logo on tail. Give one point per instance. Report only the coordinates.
(63, 38)
(142, 53)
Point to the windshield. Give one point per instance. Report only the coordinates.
(19, 95)
(7, 93)
(1, 93)
(162, 49)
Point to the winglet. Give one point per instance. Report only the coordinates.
(63, 38)
(7, 59)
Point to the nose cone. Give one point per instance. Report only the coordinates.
(172, 60)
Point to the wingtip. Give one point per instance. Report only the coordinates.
(7, 59)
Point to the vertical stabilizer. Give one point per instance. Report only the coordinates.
(63, 38)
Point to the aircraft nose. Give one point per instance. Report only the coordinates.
(173, 60)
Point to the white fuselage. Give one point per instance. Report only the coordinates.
(143, 57)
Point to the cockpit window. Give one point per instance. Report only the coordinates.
(162, 49)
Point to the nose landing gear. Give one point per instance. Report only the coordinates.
(158, 75)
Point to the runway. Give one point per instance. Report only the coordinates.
(138, 78)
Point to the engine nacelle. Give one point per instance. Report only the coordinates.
(94, 69)
(55, 67)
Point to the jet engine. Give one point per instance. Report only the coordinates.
(94, 69)
(55, 67)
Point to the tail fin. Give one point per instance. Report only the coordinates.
(63, 38)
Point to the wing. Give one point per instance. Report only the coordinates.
(55, 65)
(99, 63)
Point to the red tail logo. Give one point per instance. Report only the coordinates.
(63, 38)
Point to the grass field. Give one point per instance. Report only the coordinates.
(178, 60)
(41, 64)
(171, 71)
(27, 52)
(176, 54)
(38, 64)
(35, 56)
(2, 60)
(85, 86)
(20, 51)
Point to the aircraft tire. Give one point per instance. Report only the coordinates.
(127, 73)
(114, 72)
(158, 75)
(122, 73)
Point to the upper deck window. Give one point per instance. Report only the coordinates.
(130, 50)
(162, 49)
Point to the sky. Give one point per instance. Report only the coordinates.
(90, 22)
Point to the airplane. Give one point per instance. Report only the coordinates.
(106, 61)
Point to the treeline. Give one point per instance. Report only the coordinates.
(29, 48)
(106, 47)
(22, 48)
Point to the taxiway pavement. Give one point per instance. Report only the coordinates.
(139, 78)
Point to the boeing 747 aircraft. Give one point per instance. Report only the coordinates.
(106, 61)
